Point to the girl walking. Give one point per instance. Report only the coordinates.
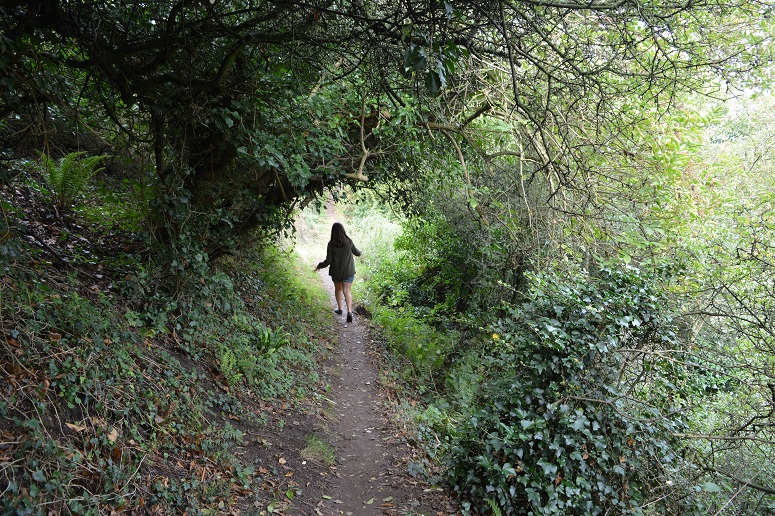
(339, 260)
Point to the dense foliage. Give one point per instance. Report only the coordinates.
(590, 430)
(118, 397)
(234, 112)
(644, 330)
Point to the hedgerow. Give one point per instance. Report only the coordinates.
(562, 423)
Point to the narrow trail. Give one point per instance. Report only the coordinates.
(367, 480)
(371, 474)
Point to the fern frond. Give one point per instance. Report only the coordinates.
(230, 367)
(496, 511)
(69, 177)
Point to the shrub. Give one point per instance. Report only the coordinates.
(564, 424)
(412, 338)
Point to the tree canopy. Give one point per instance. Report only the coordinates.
(244, 109)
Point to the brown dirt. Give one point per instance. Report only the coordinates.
(371, 475)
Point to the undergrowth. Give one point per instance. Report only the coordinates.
(120, 398)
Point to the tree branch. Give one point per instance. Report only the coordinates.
(746, 483)
(359, 175)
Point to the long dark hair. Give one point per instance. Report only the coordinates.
(338, 235)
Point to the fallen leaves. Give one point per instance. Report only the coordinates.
(77, 428)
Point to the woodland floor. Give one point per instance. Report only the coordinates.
(371, 476)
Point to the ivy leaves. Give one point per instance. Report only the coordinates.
(561, 434)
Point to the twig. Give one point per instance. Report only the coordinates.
(47, 247)
(744, 485)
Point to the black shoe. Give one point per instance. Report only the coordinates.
(349, 317)
(338, 311)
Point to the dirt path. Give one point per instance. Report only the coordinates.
(371, 476)
(372, 456)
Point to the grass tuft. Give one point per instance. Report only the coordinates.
(319, 450)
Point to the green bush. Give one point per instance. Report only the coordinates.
(440, 269)
(563, 423)
(449, 274)
(412, 338)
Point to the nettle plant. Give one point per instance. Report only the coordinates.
(565, 423)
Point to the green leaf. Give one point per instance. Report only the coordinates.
(433, 82)
(580, 421)
(449, 8)
(710, 487)
(415, 58)
(549, 468)
(440, 70)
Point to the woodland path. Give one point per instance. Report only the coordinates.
(368, 479)
(371, 475)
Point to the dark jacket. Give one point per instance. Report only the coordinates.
(341, 260)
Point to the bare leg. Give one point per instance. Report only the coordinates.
(348, 297)
(338, 293)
